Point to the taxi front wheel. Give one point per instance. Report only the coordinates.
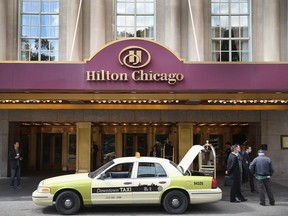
(68, 202)
(175, 202)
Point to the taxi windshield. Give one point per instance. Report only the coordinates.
(100, 169)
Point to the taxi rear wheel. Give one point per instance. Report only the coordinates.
(68, 202)
(175, 202)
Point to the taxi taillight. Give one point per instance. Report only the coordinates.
(214, 183)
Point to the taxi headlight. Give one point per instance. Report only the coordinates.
(43, 189)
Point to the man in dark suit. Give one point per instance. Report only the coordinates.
(246, 163)
(15, 156)
(233, 170)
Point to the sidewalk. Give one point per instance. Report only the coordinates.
(279, 187)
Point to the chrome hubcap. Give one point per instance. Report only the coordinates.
(175, 202)
(68, 203)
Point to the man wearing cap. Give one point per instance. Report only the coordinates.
(262, 168)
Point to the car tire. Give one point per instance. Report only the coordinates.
(68, 202)
(175, 202)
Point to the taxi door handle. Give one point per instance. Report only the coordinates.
(127, 183)
(162, 182)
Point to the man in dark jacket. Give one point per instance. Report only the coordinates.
(262, 168)
(246, 163)
(16, 157)
(234, 172)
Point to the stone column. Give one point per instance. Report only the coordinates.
(196, 31)
(185, 141)
(271, 30)
(172, 25)
(3, 32)
(83, 147)
(69, 24)
(266, 30)
(283, 30)
(4, 128)
(12, 19)
(96, 25)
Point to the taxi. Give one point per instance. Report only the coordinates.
(131, 180)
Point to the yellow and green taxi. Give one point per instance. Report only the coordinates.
(131, 180)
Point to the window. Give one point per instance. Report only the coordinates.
(230, 21)
(146, 170)
(39, 31)
(135, 18)
(120, 171)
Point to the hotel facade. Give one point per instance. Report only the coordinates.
(84, 81)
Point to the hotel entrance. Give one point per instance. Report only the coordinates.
(135, 143)
(124, 140)
(49, 151)
(55, 147)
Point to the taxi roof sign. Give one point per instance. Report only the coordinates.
(137, 155)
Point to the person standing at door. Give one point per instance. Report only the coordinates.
(95, 151)
(16, 157)
(168, 149)
(246, 163)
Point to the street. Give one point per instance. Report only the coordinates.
(18, 202)
(28, 208)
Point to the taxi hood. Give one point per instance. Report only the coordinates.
(189, 157)
(66, 178)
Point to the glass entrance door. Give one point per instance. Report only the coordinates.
(134, 142)
(49, 151)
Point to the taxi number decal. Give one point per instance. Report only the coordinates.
(139, 188)
(198, 183)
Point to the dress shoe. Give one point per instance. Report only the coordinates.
(243, 200)
(235, 201)
(263, 204)
(272, 203)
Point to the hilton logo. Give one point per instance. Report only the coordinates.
(134, 57)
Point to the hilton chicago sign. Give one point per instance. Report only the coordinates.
(137, 65)
(134, 57)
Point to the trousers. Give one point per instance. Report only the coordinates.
(265, 184)
(15, 174)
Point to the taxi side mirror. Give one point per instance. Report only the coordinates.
(105, 175)
(102, 176)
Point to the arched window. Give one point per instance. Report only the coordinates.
(135, 18)
(39, 30)
(230, 20)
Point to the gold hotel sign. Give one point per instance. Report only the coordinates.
(134, 58)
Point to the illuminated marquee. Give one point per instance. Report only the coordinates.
(134, 57)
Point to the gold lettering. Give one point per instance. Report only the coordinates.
(171, 78)
(137, 75)
(90, 75)
(103, 75)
